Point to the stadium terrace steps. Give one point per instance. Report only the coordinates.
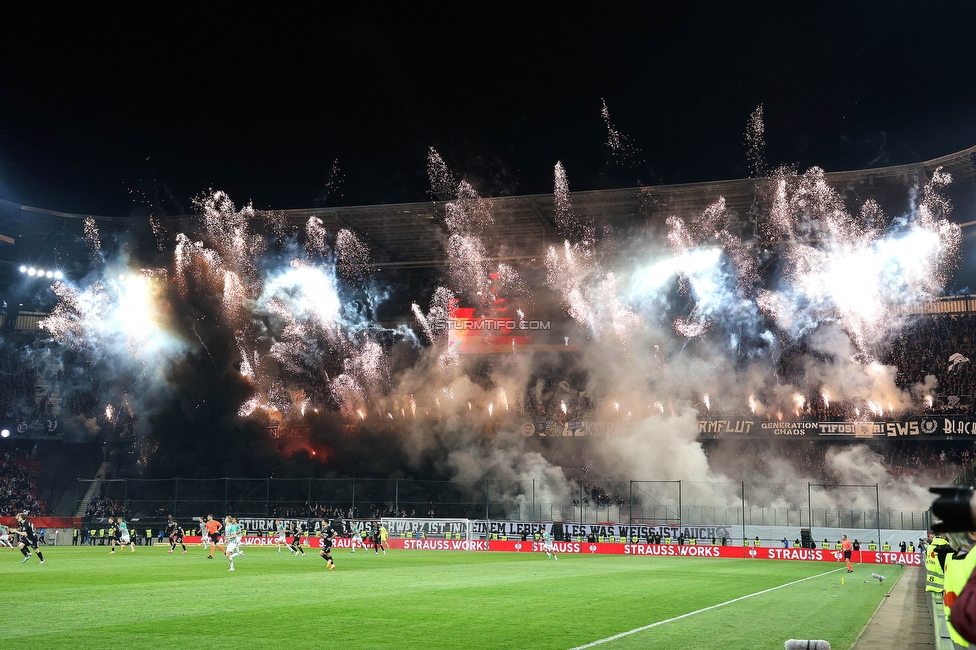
(906, 616)
(90, 492)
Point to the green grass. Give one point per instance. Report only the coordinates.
(84, 598)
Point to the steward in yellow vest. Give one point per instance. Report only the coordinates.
(825, 545)
(796, 543)
(935, 558)
(886, 547)
(838, 546)
(958, 568)
(757, 543)
(872, 546)
(745, 542)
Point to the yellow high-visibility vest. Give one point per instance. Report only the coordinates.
(934, 575)
(957, 572)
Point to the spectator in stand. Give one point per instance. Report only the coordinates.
(18, 484)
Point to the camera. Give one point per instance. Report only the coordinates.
(955, 507)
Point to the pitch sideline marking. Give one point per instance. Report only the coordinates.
(699, 611)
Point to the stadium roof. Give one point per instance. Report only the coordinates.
(409, 235)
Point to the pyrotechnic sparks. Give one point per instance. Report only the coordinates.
(613, 136)
(619, 144)
(315, 235)
(799, 401)
(352, 256)
(565, 220)
(93, 239)
(756, 143)
(443, 185)
(305, 324)
(159, 232)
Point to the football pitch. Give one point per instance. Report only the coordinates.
(82, 597)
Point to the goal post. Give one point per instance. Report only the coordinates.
(450, 529)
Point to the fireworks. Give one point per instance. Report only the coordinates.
(756, 142)
(613, 136)
(619, 145)
(304, 324)
(352, 256)
(93, 239)
(443, 186)
(315, 235)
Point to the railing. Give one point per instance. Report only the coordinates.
(653, 502)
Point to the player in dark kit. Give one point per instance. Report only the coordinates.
(296, 542)
(328, 534)
(116, 531)
(377, 540)
(175, 533)
(27, 537)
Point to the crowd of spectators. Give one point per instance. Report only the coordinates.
(18, 483)
(18, 379)
(599, 496)
(762, 460)
(99, 507)
(372, 511)
(924, 349)
(919, 353)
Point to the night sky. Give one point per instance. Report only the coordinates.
(122, 113)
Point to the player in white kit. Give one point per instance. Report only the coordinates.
(5, 537)
(233, 534)
(354, 537)
(281, 535)
(547, 546)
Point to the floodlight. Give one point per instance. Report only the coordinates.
(50, 274)
(23, 269)
(58, 275)
(5, 433)
(31, 271)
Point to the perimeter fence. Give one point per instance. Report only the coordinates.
(801, 505)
